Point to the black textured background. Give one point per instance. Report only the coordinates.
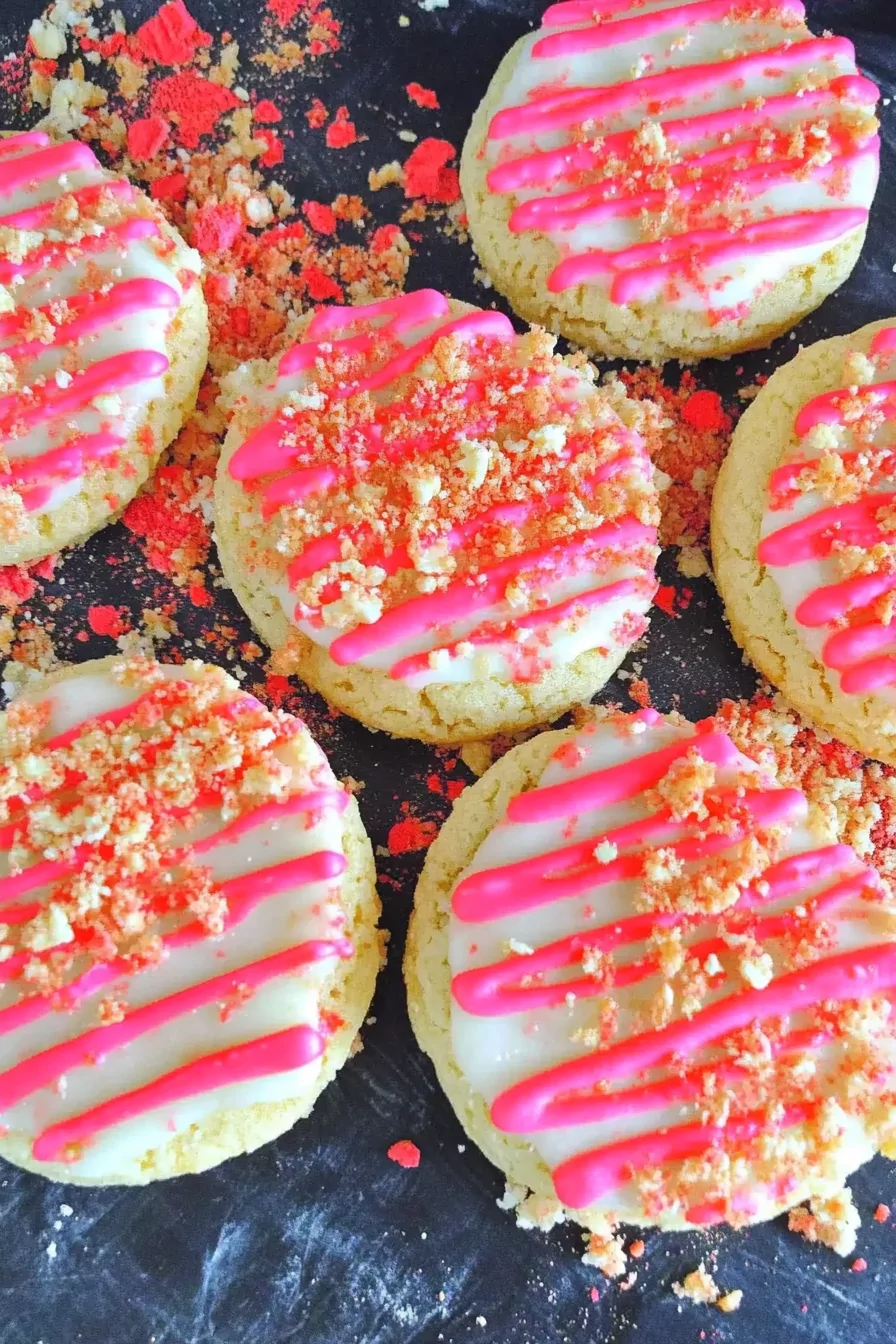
(319, 1238)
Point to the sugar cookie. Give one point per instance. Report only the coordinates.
(655, 987)
(804, 535)
(103, 341)
(189, 942)
(657, 180)
(450, 530)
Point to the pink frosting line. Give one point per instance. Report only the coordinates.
(466, 595)
(404, 312)
(827, 605)
(571, 107)
(17, 414)
(617, 783)
(640, 269)
(95, 311)
(582, 11)
(51, 255)
(11, 144)
(278, 1053)
(812, 538)
(547, 167)
(92, 1047)
(584, 1178)
(828, 408)
(41, 216)
(617, 32)
(543, 1102)
(884, 342)
(873, 675)
(46, 161)
(66, 463)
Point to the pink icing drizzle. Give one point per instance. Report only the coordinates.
(241, 895)
(32, 163)
(565, 1095)
(725, 172)
(267, 452)
(863, 652)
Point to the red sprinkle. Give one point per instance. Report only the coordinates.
(267, 111)
(146, 137)
(341, 132)
(319, 216)
(421, 96)
(170, 37)
(704, 410)
(194, 103)
(110, 621)
(426, 173)
(405, 1153)
(410, 834)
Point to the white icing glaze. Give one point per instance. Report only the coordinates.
(279, 922)
(496, 1052)
(723, 287)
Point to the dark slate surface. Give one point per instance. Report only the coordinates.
(319, 1238)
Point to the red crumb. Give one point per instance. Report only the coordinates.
(110, 621)
(217, 227)
(172, 187)
(267, 111)
(193, 103)
(341, 132)
(636, 1250)
(421, 96)
(319, 216)
(320, 286)
(410, 834)
(881, 1213)
(146, 137)
(704, 410)
(859, 1265)
(317, 114)
(426, 173)
(405, 1153)
(274, 152)
(665, 599)
(640, 693)
(199, 596)
(170, 37)
(594, 1294)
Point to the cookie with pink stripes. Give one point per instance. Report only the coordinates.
(804, 535)
(445, 528)
(656, 179)
(655, 986)
(103, 342)
(188, 943)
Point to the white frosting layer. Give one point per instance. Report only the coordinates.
(722, 287)
(497, 1052)
(278, 922)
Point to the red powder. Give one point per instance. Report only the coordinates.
(146, 137)
(341, 132)
(704, 410)
(319, 216)
(426, 173)
(405, 1153)
(217, 227)
(267, 111)
(170, 37)
(193, 103)
(111, 621)
(317, 114)
(421, 96)
(170, 188)
(284, 11)
(410, 834)
(320, 286)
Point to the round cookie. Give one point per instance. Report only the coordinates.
(191, 885)
(654, 987)
(444, 528)
(645, 180)
(103, 342)
(804, 544)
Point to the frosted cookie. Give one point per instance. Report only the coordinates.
(658, 180)
(804, 535)
(103, 341)
(444, 528)
(654, 989)
(189, 941)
